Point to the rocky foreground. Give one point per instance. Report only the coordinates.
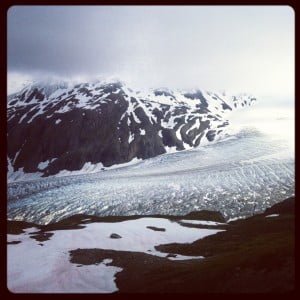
(250, 255)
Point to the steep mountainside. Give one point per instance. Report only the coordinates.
(59, 126)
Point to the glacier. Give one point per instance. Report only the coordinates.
(239, 176)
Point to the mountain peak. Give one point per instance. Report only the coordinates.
(56, 125)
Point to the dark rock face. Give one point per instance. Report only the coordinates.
(115, 236)
(284, 207)
(13, 243)
(206, 215)
(41, 236)
(156, 228)
(55, 127)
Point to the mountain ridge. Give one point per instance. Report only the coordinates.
(60, 126)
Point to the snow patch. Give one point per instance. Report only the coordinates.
(170, 149)
(43, 165)
(47, 269)
(272, 216)
(197, 222)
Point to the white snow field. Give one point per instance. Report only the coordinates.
(47, 269)
(238, 176)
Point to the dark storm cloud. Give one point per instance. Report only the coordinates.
(244, 48)
(59, 40)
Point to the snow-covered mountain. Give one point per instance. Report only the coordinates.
(55, 126)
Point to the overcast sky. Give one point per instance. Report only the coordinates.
(238, 48)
